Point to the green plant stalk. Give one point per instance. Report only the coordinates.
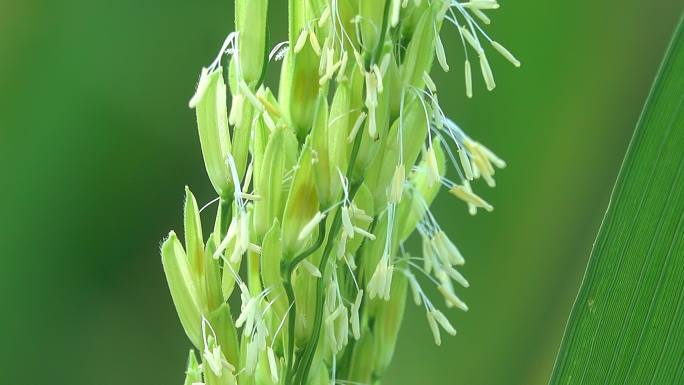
(313, 343)
(627, 323)
(310, 349)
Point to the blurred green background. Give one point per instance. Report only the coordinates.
(97, 142)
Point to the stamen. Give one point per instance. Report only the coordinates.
(441, 56)
(347, 225)
(465, 164)
(452, 299)
(470, 197)
(325, 16)
(434, 328)
(396, 7)
(506, 53)
(468, 79)
(310, 226)
(357, 125)
(429, 83)
(311, 268)
(481, 15)
(443, 322)
(471, 40)
(364, 233)
(273, 366)
(355, 324)
(301, 40)
(314, 43)
(432, 168)
(481, 4)
(487, 72)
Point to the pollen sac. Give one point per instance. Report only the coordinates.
(212, 124)
(250, 21)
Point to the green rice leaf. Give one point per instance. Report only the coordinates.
(627, 325)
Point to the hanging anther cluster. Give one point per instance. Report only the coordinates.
(319, 187)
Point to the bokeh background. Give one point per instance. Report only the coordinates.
(97, 142)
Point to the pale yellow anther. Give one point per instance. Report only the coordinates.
(301, 41)
(465, 164)
(372, 124)
(506, 53)
(468, 79)
(272, 364)
(364, 233)
(325, 16)
(472, 209)
(481, 4)
(434, 328)
(415, 289)
(451, 298)
(347, 225)
(310, 226)
(481, 15)
(357, 125)
(311, 268)
(396, 8)
(441, 55)
(342, 67)
(469, 197)
(355, 324)
(432, 168)
(443, 322)
(465, 32)
(429, 83)
(378, 78)
(314, 43)
(498, 162)
(457, 276)
(487, 72)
